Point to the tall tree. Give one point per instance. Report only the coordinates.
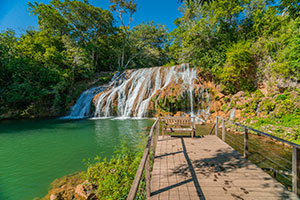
(124, 9)
(87, 26)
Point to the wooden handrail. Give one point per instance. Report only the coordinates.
(146, 158)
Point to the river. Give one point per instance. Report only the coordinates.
(35, 152)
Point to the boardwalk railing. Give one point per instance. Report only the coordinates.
(145, 163)
(295, 173)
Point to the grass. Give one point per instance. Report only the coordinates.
(286, 127)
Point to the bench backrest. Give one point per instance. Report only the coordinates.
(179, 121)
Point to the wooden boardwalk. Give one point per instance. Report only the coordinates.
(207, 168)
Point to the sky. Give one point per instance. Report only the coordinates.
(14, 14)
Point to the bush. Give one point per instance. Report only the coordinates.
(239, 71)
(268, 105)
(113, 178)
(281, 97)
(284, 108)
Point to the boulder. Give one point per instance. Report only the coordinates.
(54, 197)
(85, 191)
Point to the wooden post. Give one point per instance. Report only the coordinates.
(223, 130)
(217, 126)
(296, 169)
(147, 177)
(212, 129)
(246, 143)
(157, 130)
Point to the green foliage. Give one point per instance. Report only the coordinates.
(113, 178)
(284, 107)
(239, 69)
(281, 97)
(267, 105)
(86, 28)
(292, 7)
(149, 41)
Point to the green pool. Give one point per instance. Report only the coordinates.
(35, 152)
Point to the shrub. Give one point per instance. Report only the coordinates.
(281, 97)
(284, 108)
(113, 178)
(268, 105)
(239, 71)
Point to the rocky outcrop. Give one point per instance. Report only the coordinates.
(71, 187)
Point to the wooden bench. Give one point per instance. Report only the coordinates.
(178, 125)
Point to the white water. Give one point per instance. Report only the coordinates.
(130, 93)
(81, 109)
(131, 97)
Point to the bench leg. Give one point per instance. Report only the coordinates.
(193, 134)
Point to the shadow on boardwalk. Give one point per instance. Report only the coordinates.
(207, 168)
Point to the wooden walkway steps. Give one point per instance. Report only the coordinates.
(207, 168)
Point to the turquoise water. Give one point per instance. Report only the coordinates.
(35, 152)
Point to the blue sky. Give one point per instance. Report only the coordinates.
(14, 13)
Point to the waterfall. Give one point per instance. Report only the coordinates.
(132, 96)
(81, 109)
(138, 92)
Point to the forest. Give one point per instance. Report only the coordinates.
(240, 43)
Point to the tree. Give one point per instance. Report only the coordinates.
(8, 42)
(292, 7)
(149, 42)
(124, 8)
(201, 2)
(204, 32)
(87, 26)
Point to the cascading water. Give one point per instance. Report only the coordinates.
(136, 93)
(81, 109)
(132, 95)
